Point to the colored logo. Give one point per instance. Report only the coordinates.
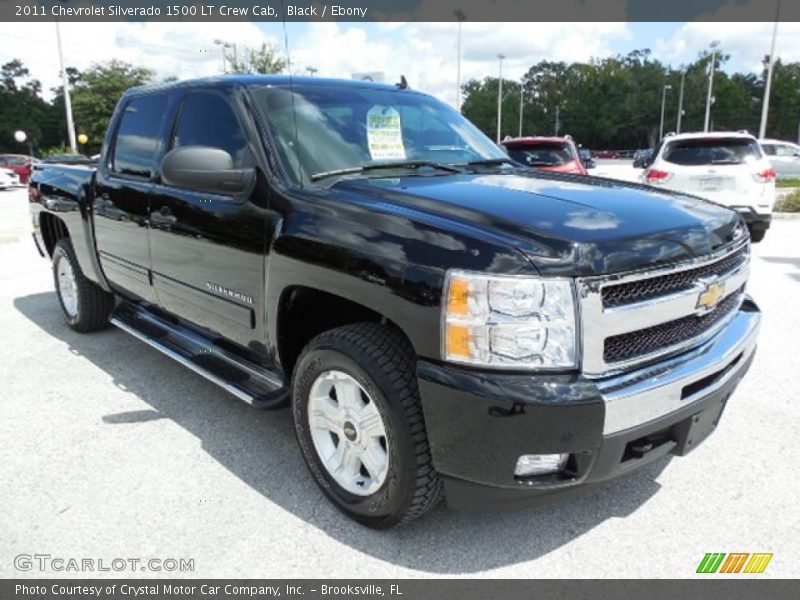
(711, 296)
(734, 562)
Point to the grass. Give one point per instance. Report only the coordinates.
(784, 183)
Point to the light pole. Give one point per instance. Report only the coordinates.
(714, 45)
(680, 102)
(461, 17)
(762, 131)
(312, 70)
(521, 107)
(224, 46)
(664, 89)
(500, 94)
(67, 99)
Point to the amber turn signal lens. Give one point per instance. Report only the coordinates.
(458, 340)
(458, 298)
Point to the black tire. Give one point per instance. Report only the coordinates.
(94, 304)
(757, 235)
(382, 361)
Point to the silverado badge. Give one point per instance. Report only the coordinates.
(710, 296)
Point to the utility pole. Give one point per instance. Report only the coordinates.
(224, 46)
(664, 89)
(714, 45)
(680, 102)
(500, 95)
(762, 131)
(558, 118)
(461, 17)
(521, 108)
(67, 99)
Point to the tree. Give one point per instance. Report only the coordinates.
(265, 60)
(96, 94)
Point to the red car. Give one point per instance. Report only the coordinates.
(19, 163)
(547, 153)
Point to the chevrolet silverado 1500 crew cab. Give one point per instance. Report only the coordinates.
(438, 317)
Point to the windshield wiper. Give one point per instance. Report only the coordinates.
(487, 162)
(405, 164)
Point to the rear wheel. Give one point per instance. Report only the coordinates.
(358, 419)
(86, 305)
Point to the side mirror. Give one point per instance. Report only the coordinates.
(205, 169)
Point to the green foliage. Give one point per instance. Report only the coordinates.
(60, 149)
(790, 203)
(97, 92)
(616, 102)
(787, 183)
(265, 60)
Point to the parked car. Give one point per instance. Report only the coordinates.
(439, 318)
(641, 158)
(19, 163)
(8, 179)
(587, 158)
(606, 154)
(726, 167)
(784, 158)
(546, 153)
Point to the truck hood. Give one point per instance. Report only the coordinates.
(566, 224)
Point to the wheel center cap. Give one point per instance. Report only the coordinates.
(350, 431)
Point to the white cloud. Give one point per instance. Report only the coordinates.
(746, 43)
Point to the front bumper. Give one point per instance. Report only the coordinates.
(480, 423)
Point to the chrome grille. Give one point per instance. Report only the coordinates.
(634, 318)
(647, 289)
(652, 339)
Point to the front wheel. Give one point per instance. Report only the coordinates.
(358, 419)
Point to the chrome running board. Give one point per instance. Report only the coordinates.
(247, 381)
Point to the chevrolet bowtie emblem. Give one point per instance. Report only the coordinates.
(710, 296)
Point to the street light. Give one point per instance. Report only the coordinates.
(664, 89)
(67, 100)
(311, 70)
(461, 17)
(714, 46)
(762, 131)
(225, 46)
(500, 95)
(680, 101)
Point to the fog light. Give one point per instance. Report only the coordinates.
(531, 465)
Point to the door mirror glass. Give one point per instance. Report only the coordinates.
(205, 169)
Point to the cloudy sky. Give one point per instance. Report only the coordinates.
(424, 52)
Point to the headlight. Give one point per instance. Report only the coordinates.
(511, 322)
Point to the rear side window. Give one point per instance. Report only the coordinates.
(541, 155)
(206, 119)
(139, 136)
(712, 151)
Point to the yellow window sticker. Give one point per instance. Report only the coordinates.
(384, 134)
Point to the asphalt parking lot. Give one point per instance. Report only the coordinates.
(108, 449)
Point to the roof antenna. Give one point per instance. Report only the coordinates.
(403, 85)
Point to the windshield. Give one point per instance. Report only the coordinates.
(546, 154)
(712, 151)
(321, 129)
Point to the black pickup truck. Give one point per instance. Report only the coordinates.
(441, 320)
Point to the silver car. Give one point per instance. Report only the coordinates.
(784, 157)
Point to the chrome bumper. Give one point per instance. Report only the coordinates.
(646, 394)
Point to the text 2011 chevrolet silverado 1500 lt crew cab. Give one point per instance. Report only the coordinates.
(439, 318)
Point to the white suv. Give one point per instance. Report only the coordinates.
(728, 168)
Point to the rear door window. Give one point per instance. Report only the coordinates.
(541, 155)
(712, 151)
(139, 136)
